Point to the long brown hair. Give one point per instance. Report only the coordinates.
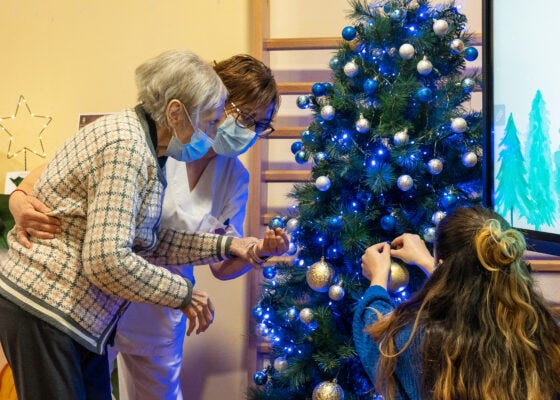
(486, 333)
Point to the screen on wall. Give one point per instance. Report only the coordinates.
(522, 106)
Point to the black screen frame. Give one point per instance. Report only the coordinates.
(541, 242)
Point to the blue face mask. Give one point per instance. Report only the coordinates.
(232, 140)
(198, 146)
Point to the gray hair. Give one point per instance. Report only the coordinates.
(180, 75)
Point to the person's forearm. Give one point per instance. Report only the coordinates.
(230, 269)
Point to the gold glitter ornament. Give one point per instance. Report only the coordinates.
(320, 276)
(398, 277)
(328, 391)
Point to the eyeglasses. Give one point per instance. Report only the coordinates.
(244, 120)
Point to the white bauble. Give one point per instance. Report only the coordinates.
(323, 183)
(424, 66)
(406, 51)
(336, 292)
(440, 27)
(458, 125)
(351, 69)
(327, 112)
(405, 182)
(306, 315)
(429, 234)
(401, 137)
(469, 159)
(457, 46)
(435, 166)
(292, 225)
(362, 125)
(438, 216)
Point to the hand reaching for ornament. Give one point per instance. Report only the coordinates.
(411, 249)
(376, 264)
(257, 252)
(200, 312)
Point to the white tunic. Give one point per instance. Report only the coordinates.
(217, 202)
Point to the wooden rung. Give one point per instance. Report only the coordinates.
(323, 43)
(288, 132)
(295, 87)
(287, 175)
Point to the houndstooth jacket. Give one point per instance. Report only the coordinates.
(106, 187)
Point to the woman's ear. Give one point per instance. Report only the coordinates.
(174, 112)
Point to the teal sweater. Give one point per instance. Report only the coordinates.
(409, 362)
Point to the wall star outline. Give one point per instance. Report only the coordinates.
(43, 123)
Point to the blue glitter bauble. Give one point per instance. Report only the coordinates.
(276, 222)
(269, 272)
(318, 89)
(470, 54)
(303, 102)
(349, 33)
(424, 94)
(296, 146)
(388, 222)
(260, 378)
(302, 156)
(370, 86)
(307, 137)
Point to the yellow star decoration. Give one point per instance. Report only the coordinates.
(26, 125)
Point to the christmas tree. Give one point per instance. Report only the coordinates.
(394, 148)
(539, 155)
(511, 192)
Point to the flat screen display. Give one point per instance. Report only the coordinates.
(521, 92)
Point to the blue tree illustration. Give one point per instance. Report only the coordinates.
(511, 190)
(538, 152)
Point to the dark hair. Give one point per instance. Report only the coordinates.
(487, 334)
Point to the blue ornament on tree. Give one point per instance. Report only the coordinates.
(258, 313)
(328, 86)
(296, 146)
(302, 156)
(319, 156)
(276, 222)
(260, 378)
(424, 94)
(307, 137)
(303, 102)
(370, 86)
(349, 33)
(269, 272)
(387, 7)
(470, 53)
(448, 200)
(388, 223)
(318, 89)
(335, 63)
(335, 223)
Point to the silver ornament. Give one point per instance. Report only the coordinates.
(306, 315)
(336, 292)
(327, 112)
(469, 159)
(438, 216)
(351, 69)
(435, 166)
(303, 102)
(468, 84)
(405, 182)
(406, 51)
(291, 314)
(440, 27)
(320, 276)
(292, 225)
(327, 391)
(323, 183)
(457, 46)
(429, 234)
(362, 125)
(458, 125)
(401, 137)
(424, 66)
(280, 363)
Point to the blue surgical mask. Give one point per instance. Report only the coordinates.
(197, 147)
(232, 140)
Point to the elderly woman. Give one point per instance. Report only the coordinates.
(60, 299)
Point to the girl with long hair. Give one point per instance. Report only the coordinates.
(478, 328)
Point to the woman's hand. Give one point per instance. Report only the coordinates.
(275, 243)
(199, 312)
(376, 264)
(30, 218)
(411, 249)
